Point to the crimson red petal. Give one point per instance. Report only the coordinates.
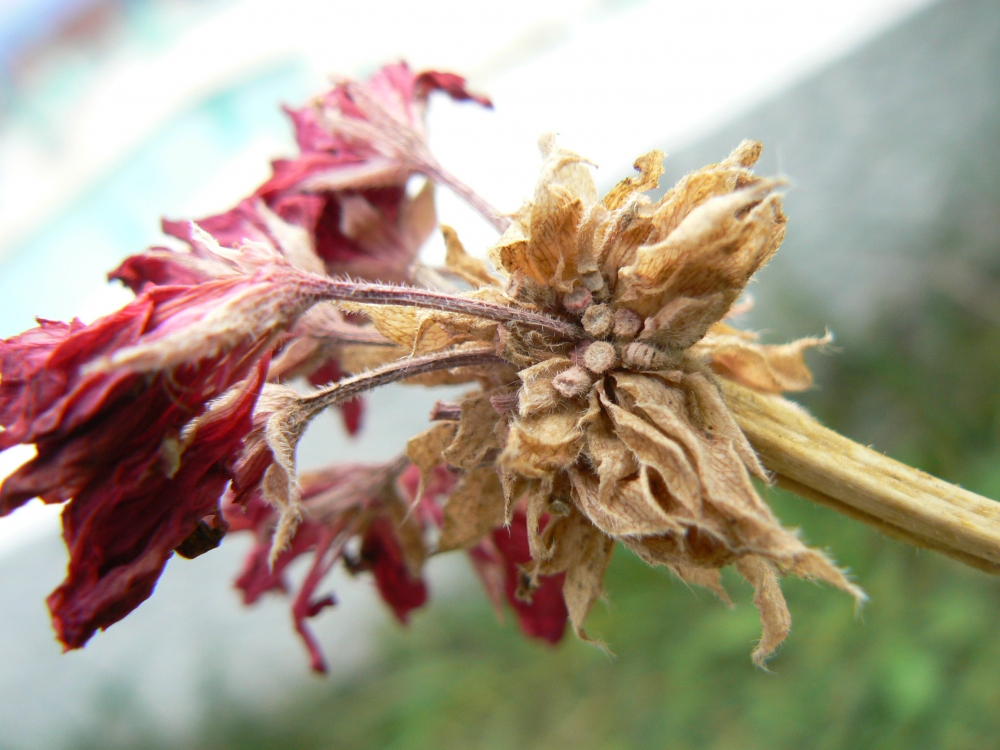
(121, 529)
(383, 554)
(453, 85)
(545, 616)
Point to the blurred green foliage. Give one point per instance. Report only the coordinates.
(914, 669)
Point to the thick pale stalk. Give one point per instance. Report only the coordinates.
(898, 500)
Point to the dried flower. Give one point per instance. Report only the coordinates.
(620, 431)
(360, 143)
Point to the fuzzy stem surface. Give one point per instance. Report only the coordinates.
(389, 294)
(400, 369)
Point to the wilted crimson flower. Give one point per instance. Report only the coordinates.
(113, 411)
(123, 526)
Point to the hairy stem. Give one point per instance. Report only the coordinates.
(438, 174)
(389, 294)
(400, 369)
(898, 500)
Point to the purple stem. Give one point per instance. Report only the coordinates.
(400, 369)
(388, 294)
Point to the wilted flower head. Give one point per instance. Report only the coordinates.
(115, 411)
(619, 431)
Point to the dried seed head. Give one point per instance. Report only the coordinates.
(627, 324)
(574, 382)
(578, 300)
(598, 320)
(599, 357)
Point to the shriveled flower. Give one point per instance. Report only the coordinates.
(619, 431)
(123, 525)
(341, 503)
(360, 143)
(114, 410)
(613, 403)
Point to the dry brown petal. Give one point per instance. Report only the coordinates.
(684, 320)
(770, 602)
(583, 552)
(476, 436)
(716, 249)
(424, 331)
(356, 358)
(426, 450)
(650, 168)
(460, 263)
(538, 497)
(697, 187)
(708, 578)
(629, 510)
(623, 233)
(681, 485)
(718, 420)
(541, 444)
(555, 215)
(563, 168)
(511, 254)
(766, 368)
(473, 509)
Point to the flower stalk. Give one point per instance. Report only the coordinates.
(401, 369)
(390, 294)
(821, 465)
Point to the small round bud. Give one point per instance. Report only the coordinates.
(598, 320)
(573, 382)
(578, 300)
(627, 324)
(599, 357)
